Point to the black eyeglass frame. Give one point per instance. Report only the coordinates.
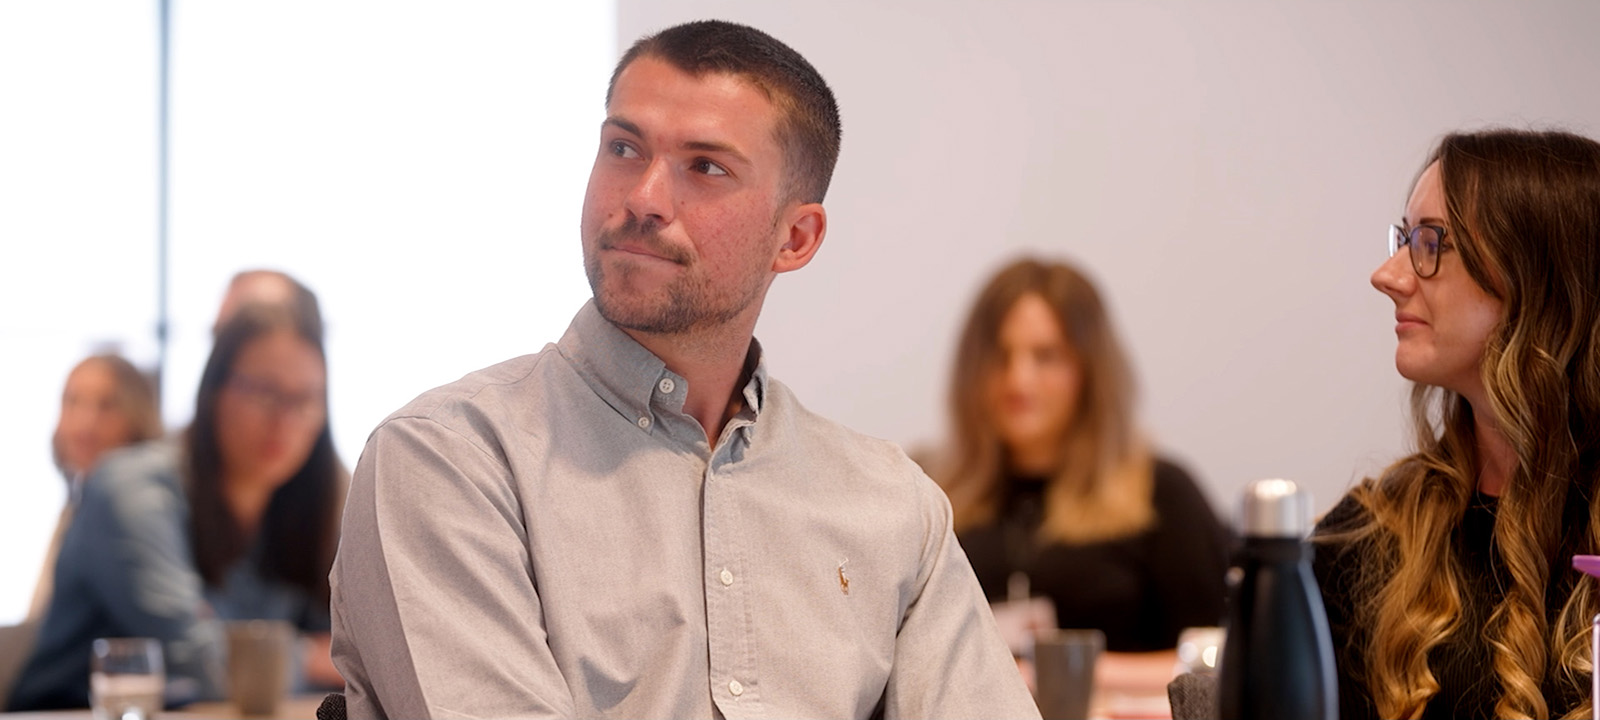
(1399, 238)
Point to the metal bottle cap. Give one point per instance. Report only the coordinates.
(1275, 508)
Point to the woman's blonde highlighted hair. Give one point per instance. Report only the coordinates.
(1524, 213)
(1103, 489)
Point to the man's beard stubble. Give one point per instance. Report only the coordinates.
(687, 304)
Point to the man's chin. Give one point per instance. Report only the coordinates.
(637, 314)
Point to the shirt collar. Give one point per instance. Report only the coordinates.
(628, 377)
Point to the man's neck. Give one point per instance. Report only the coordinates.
(712, 361)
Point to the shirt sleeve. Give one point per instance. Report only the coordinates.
(130, 537)
(949, 658)
(1188, 556)
(435, 610)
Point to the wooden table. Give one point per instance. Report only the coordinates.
(303, 707)
(1129, 706)
(1106, 705)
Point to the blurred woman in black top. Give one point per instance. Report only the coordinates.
(1054, 492)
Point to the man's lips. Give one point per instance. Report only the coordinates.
(647, 248)
(638, 251)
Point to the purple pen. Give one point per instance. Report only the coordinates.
(1590, 565)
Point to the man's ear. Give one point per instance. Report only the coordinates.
(806, 224)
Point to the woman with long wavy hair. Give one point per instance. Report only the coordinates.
(1056, 496)
(1448, 580)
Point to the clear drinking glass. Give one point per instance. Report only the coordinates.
(126, 678)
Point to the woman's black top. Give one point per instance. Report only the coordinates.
(1463, 663)
(1140, 590)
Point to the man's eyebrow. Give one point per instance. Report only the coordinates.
(716, 147)
(623, 124)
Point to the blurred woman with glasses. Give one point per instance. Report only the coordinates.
(237, 519)
(1448, 580)
(1056, 497)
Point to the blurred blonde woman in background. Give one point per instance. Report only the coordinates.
(107, 403)
(1055, 494)
(1448, 580)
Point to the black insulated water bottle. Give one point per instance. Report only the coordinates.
(1277, 658)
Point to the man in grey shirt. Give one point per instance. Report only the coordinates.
(638, 521)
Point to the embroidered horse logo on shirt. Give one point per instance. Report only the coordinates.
(844, 580)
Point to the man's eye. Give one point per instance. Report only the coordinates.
(709, 168)
(623, 150)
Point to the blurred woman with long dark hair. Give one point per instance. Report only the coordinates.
(237, 519)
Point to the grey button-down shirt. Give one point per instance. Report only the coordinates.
(553, 536)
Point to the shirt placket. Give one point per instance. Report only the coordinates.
(734, 686)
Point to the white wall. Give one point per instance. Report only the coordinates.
(1225, 169)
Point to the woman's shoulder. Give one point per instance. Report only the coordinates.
(1343, 544)
(1170, 469)
(1346, 515)
(138, 474)
(133, 496)
(1174, 485)
(1184, 512)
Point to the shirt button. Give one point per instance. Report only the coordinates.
(667, 386)
(727, 579)
(644, 422)
(735, 688)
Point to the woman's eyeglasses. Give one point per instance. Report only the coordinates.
(1426, 243)
(268, 399)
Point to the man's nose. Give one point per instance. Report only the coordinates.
(651, 199)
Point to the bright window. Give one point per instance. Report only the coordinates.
(420, 166)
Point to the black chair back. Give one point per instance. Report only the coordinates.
(332, 707)
(1193, 696)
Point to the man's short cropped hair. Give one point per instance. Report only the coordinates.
(808, 126)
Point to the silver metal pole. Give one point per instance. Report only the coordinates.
(163, 108)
